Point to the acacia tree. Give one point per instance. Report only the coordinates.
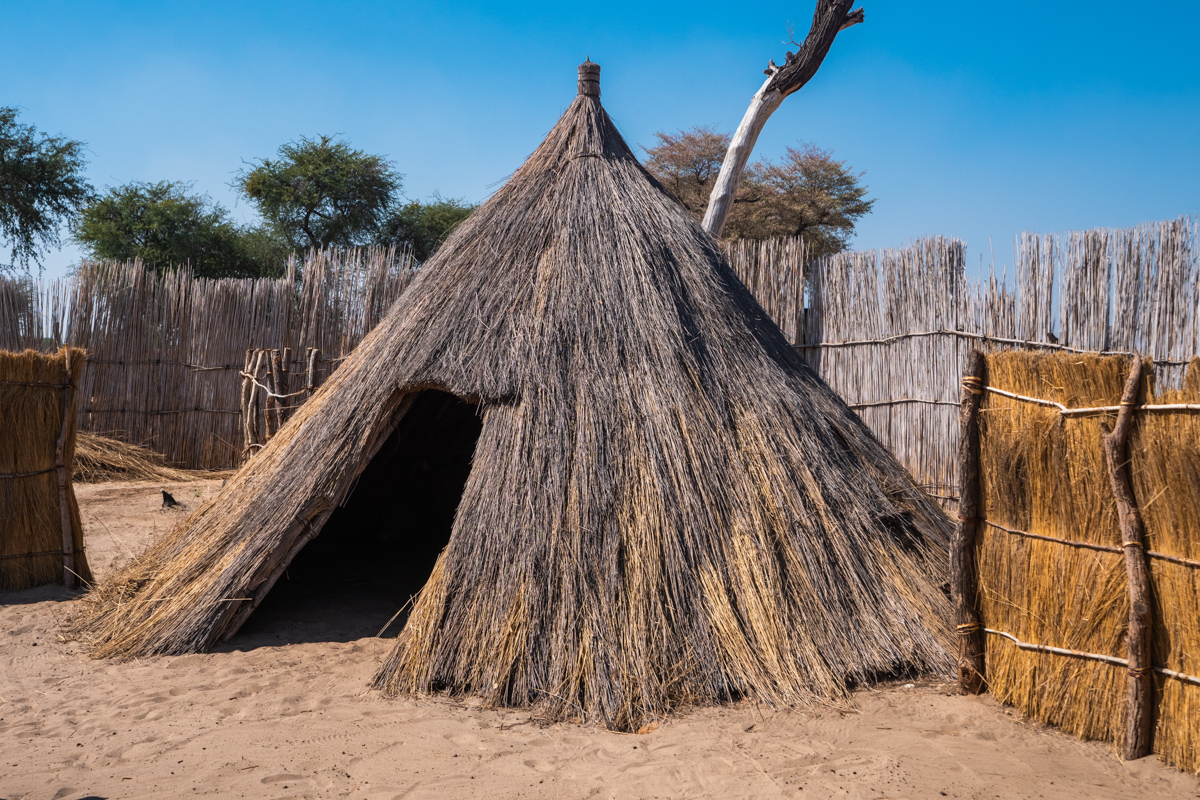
(808, 192)
(41, 187)
(687, 163)
(423, 227)
(322, 192)
(164, 225)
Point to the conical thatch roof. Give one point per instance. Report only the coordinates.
(665, 504)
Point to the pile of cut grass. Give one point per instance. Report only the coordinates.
(100, 458)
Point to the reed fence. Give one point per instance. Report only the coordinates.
(890, 329)
(166, 351)
(1076, 561)
(41, 538)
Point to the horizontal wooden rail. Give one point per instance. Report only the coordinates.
(1107, 548)
(1094, 410)
(980, 337)
(1116, 662)
(903, 401)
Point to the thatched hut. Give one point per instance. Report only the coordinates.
(645, 497)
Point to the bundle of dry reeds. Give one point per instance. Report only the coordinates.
(37, 441)
(1044, 474)
(665, 505)
(101, 458)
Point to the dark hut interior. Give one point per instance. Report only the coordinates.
(378, 548)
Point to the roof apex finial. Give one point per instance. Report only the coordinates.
(589, 78)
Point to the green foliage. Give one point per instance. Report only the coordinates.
(41, 187)
(165, 226)
(807, 193)
(321, 193)
(424, 226)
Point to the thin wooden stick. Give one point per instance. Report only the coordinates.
(1116, 662)
(64, 478)
(1138, 730)
(1093, 410)
(247, 417)
(256, 439)
(963, 578)
(985, 339)
(314, 355)
(285, 375)
(1105, 548)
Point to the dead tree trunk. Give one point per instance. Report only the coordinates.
(830, 17)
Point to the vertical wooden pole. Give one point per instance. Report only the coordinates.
(269, 426)
(247, 413)
(60, 463)
(255, 437)
(314, 356)
(963, 578)
(279, 388)
(1140, 683)
(285, 370)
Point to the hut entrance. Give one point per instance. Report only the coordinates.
(377, 550)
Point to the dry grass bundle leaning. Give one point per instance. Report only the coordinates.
(649, 499)
(33, 443)
(1045, 474)
(99, 458)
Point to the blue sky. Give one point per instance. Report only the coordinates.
(975, 120)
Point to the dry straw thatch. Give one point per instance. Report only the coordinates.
(664, 505)
(1045, 474)
(33, 389)
(101, 458)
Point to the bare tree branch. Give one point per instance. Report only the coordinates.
(829, 17)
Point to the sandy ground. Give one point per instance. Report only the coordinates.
(284, 711)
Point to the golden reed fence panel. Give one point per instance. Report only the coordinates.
(1052, 582)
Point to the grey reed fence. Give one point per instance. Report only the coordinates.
(165, 352)
(889, 329)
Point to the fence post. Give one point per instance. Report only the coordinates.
(60, 463)
(286, 373)
(257, 436)
(278, 387)
(963, 578)
(1140, 682)
(247, 431)
(314, 355)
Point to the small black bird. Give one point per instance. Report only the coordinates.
(168, 501)
(1053, 339)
